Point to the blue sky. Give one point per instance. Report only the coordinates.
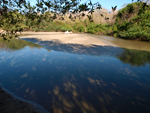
(105, 3)
(108, 3)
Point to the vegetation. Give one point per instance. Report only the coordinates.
(19, 15)
(131, 22)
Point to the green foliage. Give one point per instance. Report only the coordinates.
(133, 22)
(115, 35)
(99, 29)
(66, 29)
(136, 32)
(56, 26)
(81, 28)
(12, 24)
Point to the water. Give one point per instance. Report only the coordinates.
(74, 78)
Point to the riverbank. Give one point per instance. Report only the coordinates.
(12, 104)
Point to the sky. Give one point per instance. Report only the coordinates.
(105, 3)
(109, 3)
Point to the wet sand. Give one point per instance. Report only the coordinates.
(11, 104)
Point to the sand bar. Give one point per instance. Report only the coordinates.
(74, 38)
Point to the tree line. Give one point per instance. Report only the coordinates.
(16, 15)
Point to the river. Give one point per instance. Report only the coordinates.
(74, 78)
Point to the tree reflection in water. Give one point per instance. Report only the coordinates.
(15, 44)
(135, 57)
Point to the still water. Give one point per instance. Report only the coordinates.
(74, 78)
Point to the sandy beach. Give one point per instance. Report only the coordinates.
(73, 38)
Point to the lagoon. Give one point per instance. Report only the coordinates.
(78, 77)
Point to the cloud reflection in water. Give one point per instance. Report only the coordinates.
(89, 79)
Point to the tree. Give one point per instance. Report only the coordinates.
(14, 12)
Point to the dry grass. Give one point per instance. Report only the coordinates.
(106, 14)
(97, 18)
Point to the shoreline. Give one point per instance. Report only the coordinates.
(10, 103)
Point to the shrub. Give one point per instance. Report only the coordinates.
(81, 28)
(133, 27)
